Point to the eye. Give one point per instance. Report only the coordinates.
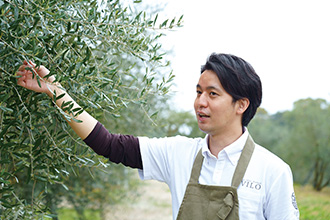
(198, 92)
(213, 94)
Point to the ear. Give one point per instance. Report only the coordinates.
(242, 105)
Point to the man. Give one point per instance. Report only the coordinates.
(222, 176)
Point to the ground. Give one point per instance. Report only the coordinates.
(153, 203)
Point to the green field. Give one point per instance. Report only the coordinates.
(67, 213)
(313, 205)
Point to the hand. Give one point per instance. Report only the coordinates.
(27, 80)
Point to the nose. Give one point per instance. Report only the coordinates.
(201, 100)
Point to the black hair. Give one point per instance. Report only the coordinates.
(239, 79)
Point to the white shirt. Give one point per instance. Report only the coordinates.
(266, 191)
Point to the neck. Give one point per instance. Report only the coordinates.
(218, 142)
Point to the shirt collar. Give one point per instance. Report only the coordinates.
(233, 151)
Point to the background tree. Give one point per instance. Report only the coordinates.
(308, 145)
(301, 137)
(177, 122)
(268, 130)
(86, 46)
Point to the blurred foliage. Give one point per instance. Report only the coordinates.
(106, 56)
(180, 123)
(301, 137)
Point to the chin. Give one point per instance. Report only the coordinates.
(203, 130)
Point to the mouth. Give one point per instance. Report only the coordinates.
(202, 116)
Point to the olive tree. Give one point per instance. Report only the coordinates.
(87, 46)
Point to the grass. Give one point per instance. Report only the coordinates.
(313, 205)
(68, 213)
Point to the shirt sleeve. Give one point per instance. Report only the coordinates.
(169, 158)
(281, 202)
(155, 158)
(118, 148)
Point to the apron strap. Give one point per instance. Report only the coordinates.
(240, 168)
(196, 169)
(243, 162)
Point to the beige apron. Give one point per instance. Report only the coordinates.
(214, 202)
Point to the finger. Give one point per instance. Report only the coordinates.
(21, 81)
(22, 78)
(25, 68)
(31, 63)
(24, 73)
(29, 69)
(44, 70)
(20, 73)
(22, 67)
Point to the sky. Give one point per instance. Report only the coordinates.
(286, 41)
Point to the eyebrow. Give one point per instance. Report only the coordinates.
(209, 87)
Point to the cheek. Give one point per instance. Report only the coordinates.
(195, 104)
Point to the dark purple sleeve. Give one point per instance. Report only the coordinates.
(118, 148)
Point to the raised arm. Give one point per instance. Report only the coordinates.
(118, 148)
(87, 124)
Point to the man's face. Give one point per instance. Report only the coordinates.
(215, 111)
